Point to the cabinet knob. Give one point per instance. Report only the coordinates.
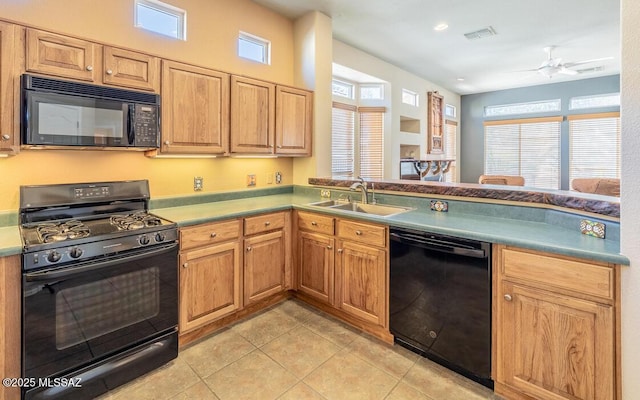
(329, 247)
(359, 233)
(166, 142)
(279, 146)
(89, 67)
(339, 250)
(109, 72)
(508, 297)
(6, 137)
(249, 248)
(185, 265)
(267, 223)
(314, 223)
(213, 235)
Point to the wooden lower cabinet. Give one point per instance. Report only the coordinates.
(210, 274)
(342, 266)
(264, 266)
(553, 341)
(315, 275)
(209, 284)
(361, 281)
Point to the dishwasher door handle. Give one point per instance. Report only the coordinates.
(438, 246)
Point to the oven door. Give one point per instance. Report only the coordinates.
(81, 314)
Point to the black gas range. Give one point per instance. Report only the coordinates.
(100, 287)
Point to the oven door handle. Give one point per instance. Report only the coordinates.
(56, 274)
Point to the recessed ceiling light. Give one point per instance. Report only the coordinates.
(460, 79)
(440, 27)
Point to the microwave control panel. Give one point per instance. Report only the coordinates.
(145, 125)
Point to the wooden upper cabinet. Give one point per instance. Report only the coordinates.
(131, 69)
(9, 88)
(252, 115)
(52, 54)
(195, 109)
(67, 57)
(294, 121)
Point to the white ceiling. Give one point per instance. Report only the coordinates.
(401, 33)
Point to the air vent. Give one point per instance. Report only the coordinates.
(590, 70)
(482, 33)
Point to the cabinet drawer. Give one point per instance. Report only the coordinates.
(559, 273)
(206, 234)
(315, 223)
(374, 235)
(263, 223)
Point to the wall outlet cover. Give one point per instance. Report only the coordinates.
(439, 205)
(591, 228)
(198, 183)
(278, 177)
(325, 193)
(251, 180)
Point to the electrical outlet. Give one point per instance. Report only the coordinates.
(325, 193)
(251, 180)
(278, 177)
(198, 183)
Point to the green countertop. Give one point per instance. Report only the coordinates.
(528, 234)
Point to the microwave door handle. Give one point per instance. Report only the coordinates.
(130, 124)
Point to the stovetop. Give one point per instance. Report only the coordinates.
(71, 223)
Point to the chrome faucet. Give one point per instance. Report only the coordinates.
(362, 185)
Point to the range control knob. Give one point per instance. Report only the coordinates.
(144, 240)
(75, 252)
(160, 237)
(54, 256)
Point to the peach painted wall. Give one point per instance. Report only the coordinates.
(213, 27)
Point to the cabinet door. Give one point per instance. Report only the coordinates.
(361, 281)
(131, 69)
(9, 125)
(195, 109)
(10, 314)
(209, 284)
(294, 121)
(252, 115)
(62, 56)
(553, 346)
(315, 266)
(263, 266)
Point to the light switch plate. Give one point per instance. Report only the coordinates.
(251, 180)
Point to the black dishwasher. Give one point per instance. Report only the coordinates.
(440, 300)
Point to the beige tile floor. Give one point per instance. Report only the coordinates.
(291, 351)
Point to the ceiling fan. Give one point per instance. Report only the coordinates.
(552, 66)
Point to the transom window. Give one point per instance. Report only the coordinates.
(162, 18)
(595, 101)
(523, 108)
(371, 91)
(342, 89)
(411, 98)
(254, 48)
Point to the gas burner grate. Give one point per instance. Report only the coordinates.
(49, 232)
(135, 221)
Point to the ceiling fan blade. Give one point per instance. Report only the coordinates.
(573, 64)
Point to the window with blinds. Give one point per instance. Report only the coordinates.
(450, 138)
(594, 145)
(525, 147)
(342, 140)
(371, 142)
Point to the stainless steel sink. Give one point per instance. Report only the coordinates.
(382, 210)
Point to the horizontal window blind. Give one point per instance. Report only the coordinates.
(342, 140)
(371, 142)
(450, 138)
(594, 146)
(526, 147)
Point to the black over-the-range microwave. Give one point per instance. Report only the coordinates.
(57, 113)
